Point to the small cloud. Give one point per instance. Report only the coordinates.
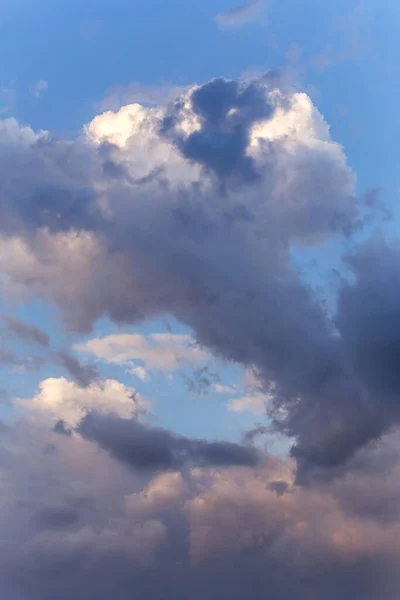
(254, 403)
(240, 15)
(39, 88)
(224, 389)
(201, 381)
(140, 373)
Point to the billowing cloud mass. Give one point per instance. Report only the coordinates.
(193, 210)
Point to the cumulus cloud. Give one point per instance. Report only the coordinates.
(61, 399)
(193, 209)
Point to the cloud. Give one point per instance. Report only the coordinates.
(94, 529)
(26, 331)
(240, 15)
(60, 428)
(256, 403)
(162, 351)
(56, 518)
(84, 375)
(137, 93)
(140, 373)
(60, 399)
(255, 396)
(194, 209)
(148, 448)
(8, 358)
(40, 87)
(201, 382)
(224, 389)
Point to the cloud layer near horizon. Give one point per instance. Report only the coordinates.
(100, 515)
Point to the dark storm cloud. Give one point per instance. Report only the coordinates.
(149, 448)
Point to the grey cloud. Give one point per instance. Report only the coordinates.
(4, 428)
(6, 357)
(56, 518)
(56, 191)
(33, 363)
(4, 397)
(62, 429)
(27, 331)
(84, 375)
(149, 448)
(222, 533)
(368, 321)
(201, 381)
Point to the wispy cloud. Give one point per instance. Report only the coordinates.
(40, 87)
(162, 351)
(241, 14)
(7, 98)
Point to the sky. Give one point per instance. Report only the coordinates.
(199, 291)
